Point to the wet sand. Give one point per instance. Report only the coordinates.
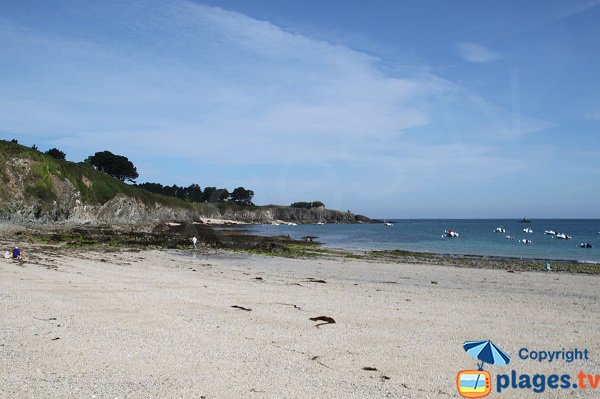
(163, 324)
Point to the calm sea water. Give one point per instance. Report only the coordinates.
(477, 237)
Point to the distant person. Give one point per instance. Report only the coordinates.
(16, 253)
(7, 255)
(194, 241)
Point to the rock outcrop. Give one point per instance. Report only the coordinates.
(296, 215)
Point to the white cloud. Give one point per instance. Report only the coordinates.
(203, 86)
(225, 80)
(476, 53)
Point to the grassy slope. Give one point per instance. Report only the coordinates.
(103, 187)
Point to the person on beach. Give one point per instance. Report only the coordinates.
(7, 255)
(16, 253)
(194, 241)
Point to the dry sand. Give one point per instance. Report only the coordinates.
(159, 324)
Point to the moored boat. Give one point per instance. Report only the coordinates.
(563, 236)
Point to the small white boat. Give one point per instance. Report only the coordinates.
(451, 233)
(275, 224)
(292, 224)
(525, 241)
(550, 232)
(320, 223)
(509, 237)
(563, 236)
(388, 224)
(528, 231)
(585, 245)
(500, 230)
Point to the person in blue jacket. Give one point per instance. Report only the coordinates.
(16, 253)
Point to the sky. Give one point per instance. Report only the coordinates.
(396, 109)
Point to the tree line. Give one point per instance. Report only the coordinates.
(193, 193)
(119, 167)
(307, 205)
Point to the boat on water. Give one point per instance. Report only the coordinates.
(550, 232)
(500, 230)
(451, 233)
(525, 241)
(509, 237)
(387, 223)
(563, 236)
(585, 245)
(524, 220)
(528, 231)
(320, 223)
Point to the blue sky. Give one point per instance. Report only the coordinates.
(386, 108)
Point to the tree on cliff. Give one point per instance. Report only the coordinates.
(213, 194)
(56, 153)
(242, 196)
(308, 205)
(117, 166)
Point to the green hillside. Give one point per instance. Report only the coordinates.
(95, 188)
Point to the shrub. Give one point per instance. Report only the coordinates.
(56, 153)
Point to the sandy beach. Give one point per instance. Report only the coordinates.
(161, 324)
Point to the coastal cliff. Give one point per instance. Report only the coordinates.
(38, 188)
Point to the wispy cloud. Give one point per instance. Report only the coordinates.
(576, 7)
(593, 116)
(202, 86)
(224, 77)
(500, 124)
(553, 12)
(477, 53)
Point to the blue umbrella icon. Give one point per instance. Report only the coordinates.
(487, 352)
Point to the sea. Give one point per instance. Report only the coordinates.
(476, 237)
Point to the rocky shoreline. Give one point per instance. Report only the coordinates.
(178, 235)
(150, 236)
